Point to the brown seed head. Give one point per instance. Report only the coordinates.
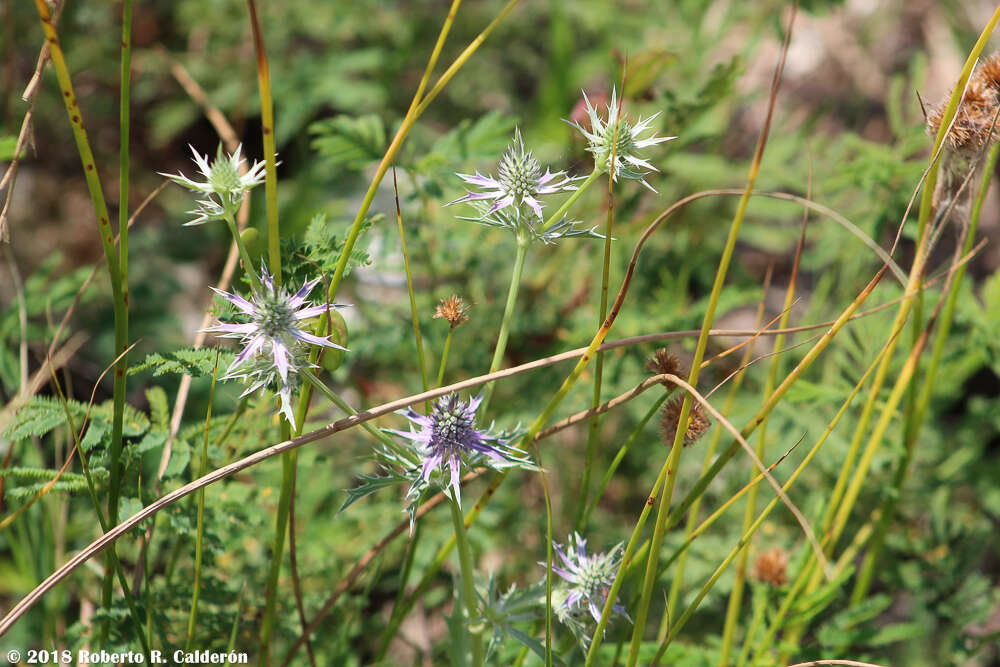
(974, 126)
(453, 309)
(988, 72)
(770, 566)
(663, 361)
(698, 422)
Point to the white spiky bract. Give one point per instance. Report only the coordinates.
(607, 138)
(223, 187)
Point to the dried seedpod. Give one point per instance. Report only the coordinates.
(698, 422)
(974, 127)
(453, 309)
(664, 361)
(770, 566)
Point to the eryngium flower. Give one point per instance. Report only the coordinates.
(273, 331)
(224, 186)
(258, 372)
(590, 577)
(448, 432)
(602, 142)
(519, 181)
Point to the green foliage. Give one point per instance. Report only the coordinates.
(193, 362)
(320, 248)
(41, 414)
(68, 482)
(8, 146)
(349, 143)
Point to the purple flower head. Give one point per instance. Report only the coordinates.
(607, 137)
(589, 577)
(448, 432)
(519, 181)
(273, 338)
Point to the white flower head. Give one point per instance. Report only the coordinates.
(607, 137)
(224, 186)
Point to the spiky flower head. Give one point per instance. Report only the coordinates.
(447, 434)
(589, 576)
(620, 140)
(519, 181)
(698, 421)
(272, 338)
(453, 309)
(224, 185)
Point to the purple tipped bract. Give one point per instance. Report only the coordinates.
(274, 333)
(519, 181)
(590, 576)
(448, 432)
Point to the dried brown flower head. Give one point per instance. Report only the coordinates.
(974, 126)
(989, 72)
(663, 361)
(770, 566)
(698, 422)
(453, 309)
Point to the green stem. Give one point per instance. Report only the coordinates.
(267, 131)
(200, 531)
(116, 565)
(692, 522)
(236, 621)
(548, 554)
(418, 339)
(673, 460)
(122, 297)
(468, 582)
(702, 483)
(114, 269)
(759, 606)
(622, 451)
(627, 559)
(889, 507)
(288, 463)
(916, 274)
(736, 594)
(248, 266)
(593, 430)
(508, 316)
(406, 570)
(444, 356)
(561, 211)
(748, 533)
